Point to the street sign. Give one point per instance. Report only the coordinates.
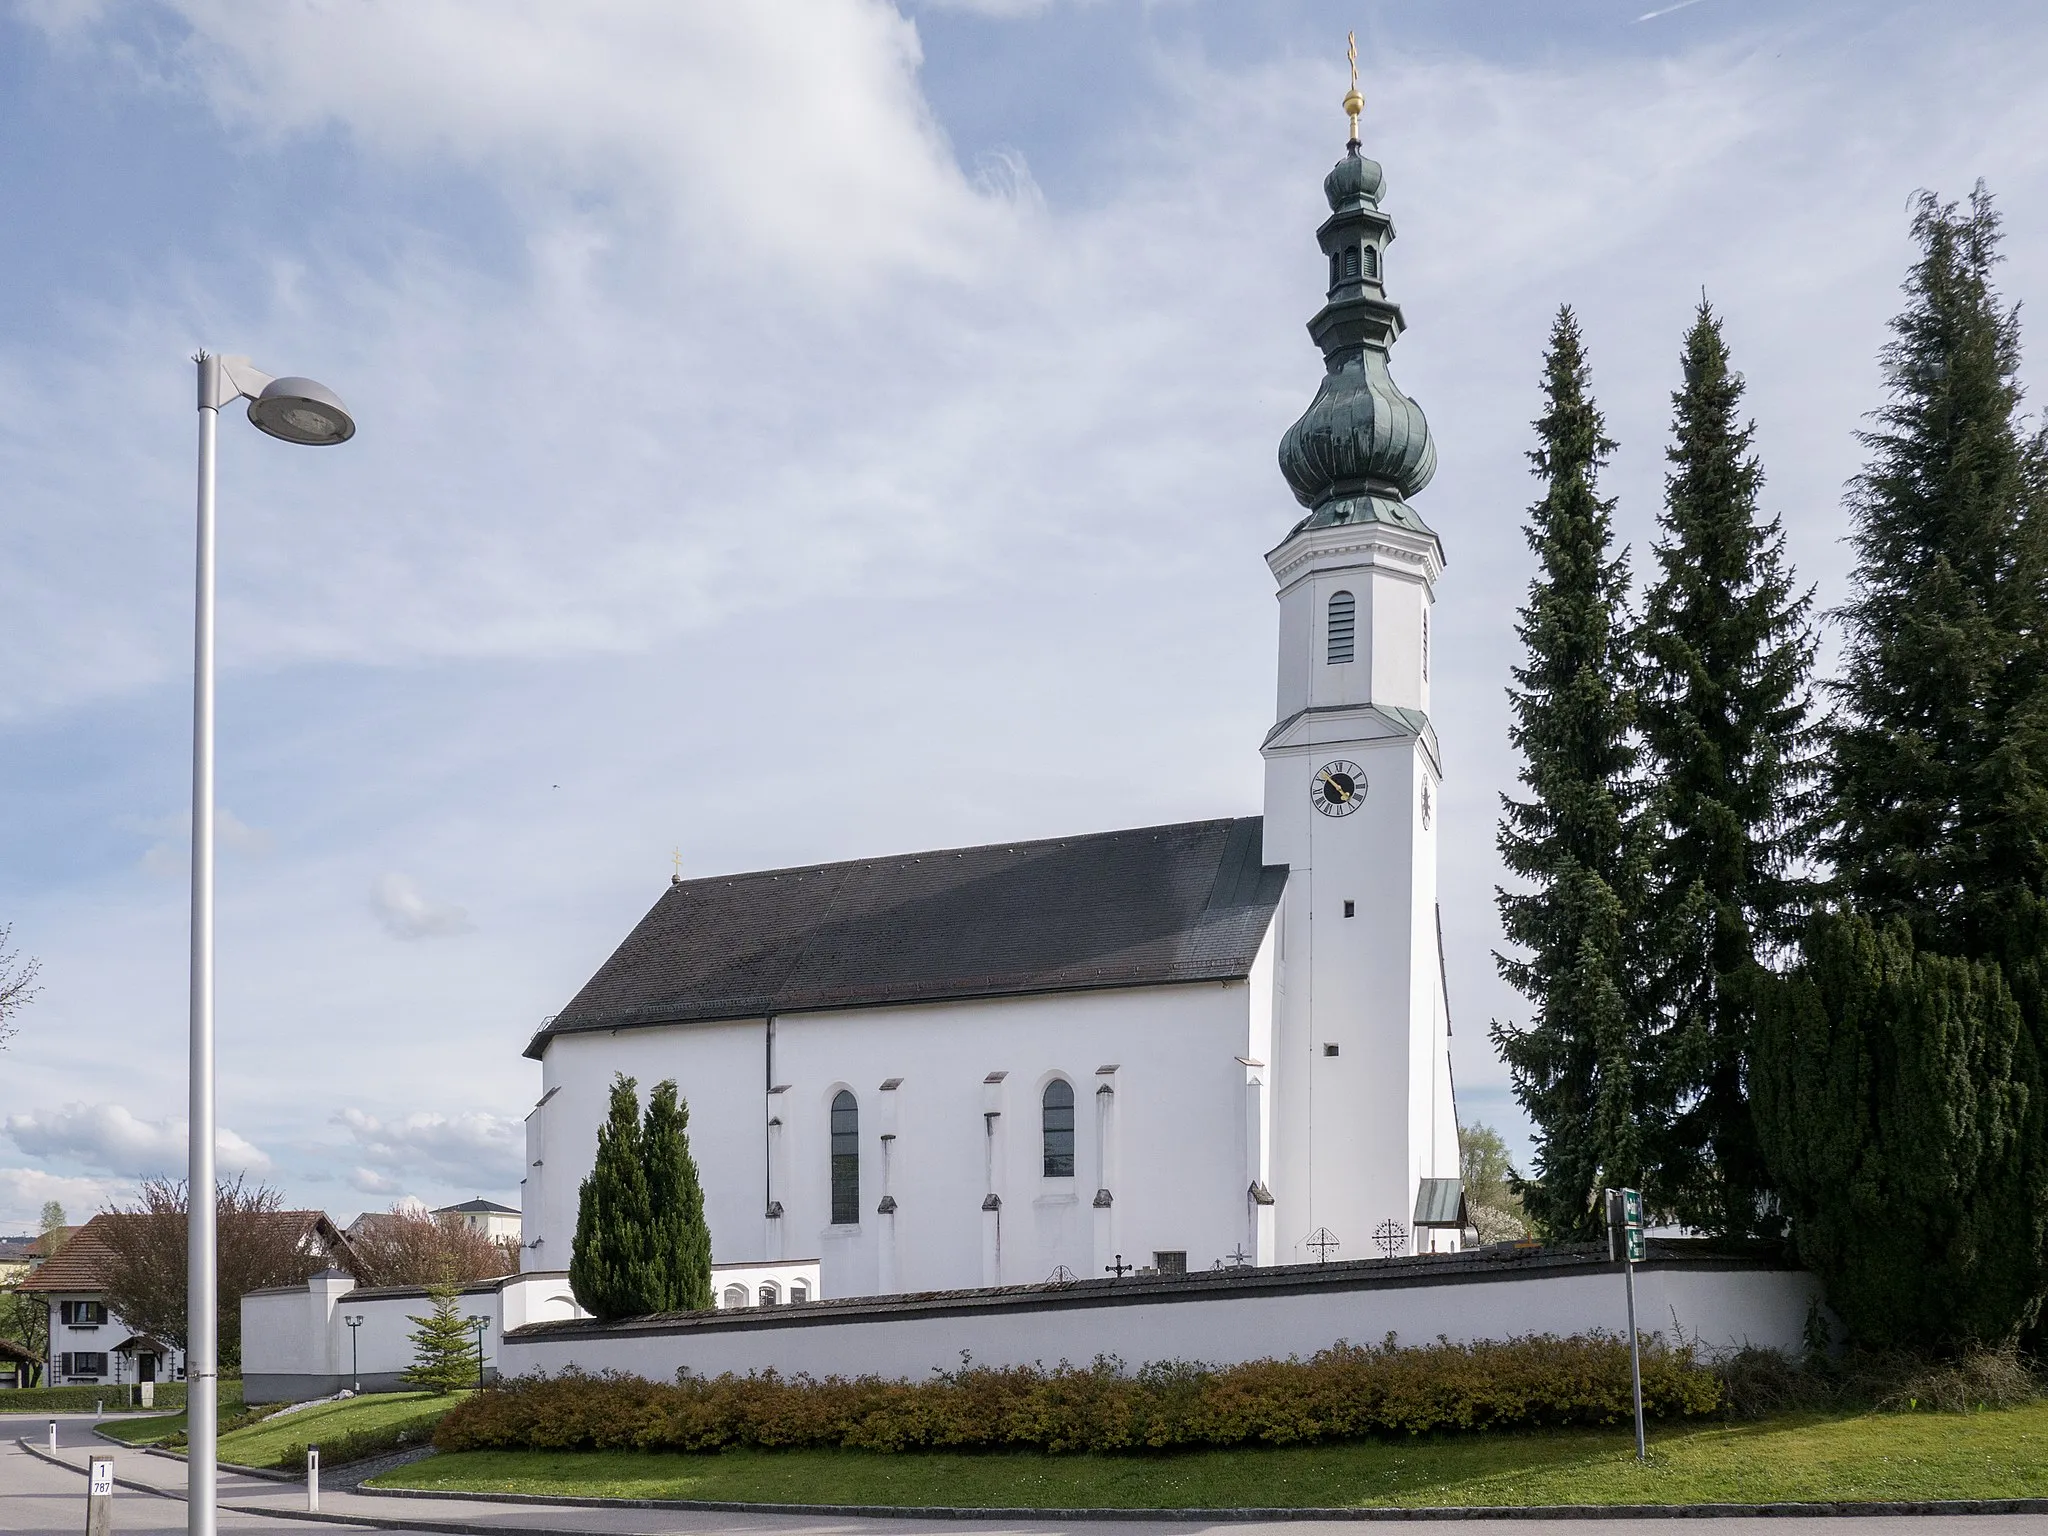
(1635, 1245)
(99, 1498)
(1625, 1241)
(1632, 1209)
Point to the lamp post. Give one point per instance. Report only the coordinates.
(355, 1365)
(296, 411)
(479, 1324)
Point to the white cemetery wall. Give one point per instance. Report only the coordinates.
(1218, 1317)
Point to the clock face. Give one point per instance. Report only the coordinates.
(1338, 788)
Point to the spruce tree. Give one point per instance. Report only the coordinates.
(611, 1267)
(1726, 654)
(1579, 1064)
(1939, 783)
(681, 1242)
(444, 1347)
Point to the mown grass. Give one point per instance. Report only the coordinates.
(1998, 1453)
(161, 1426)
(272, 1442)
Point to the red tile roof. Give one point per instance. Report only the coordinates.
(78, 1266)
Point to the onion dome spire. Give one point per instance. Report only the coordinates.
(1362, 446)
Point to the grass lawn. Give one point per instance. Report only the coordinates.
(155, 1427)
(2001, 1453)
(264, 1444)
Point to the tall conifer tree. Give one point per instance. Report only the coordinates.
(611, 1267)
(680, 1244)
(1726, 655)
(1578, 1065)
(1940, 761)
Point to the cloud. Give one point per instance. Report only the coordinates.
(406, 914)
(475, 1151)
(173, 855)
(23, 1192)
(111, 1137)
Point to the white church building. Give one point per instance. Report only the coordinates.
(1220, 1042)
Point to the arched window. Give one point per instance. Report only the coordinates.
(1351, 261)
(1372, 262)
(845, 1160)
(1343, 627)
(799, 1291)
(1336, 268)
(735, 1295)
(769, 1294)
(1056, 1119)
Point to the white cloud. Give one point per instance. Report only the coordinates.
(23, 1192)
(475, 1151)
(109, 1136)
(173, 855)
(407, 914)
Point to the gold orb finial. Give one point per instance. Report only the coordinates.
(1354, 104)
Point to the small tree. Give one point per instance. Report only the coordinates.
(1489, 1178)
(611, 1267)
(25, 1318)
(443, 1345)
(681, 1245)
(53, 1219)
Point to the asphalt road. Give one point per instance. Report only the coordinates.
(37, 1497)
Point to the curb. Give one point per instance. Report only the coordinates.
(1150, 1516)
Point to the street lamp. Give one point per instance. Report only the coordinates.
(355, 1368)
(297, 411)
(479, 1324)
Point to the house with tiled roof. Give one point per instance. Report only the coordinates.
(89, 1343)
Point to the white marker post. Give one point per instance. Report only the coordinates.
(99, 1498)
(312, 1479)
(53, 1435)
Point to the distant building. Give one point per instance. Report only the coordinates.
(485, 1216)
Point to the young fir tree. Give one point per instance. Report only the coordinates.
(1578, 1065)
(1725, 655)
(1939, 783)
(681, 1242)
(612, 1268)
(444, 1346)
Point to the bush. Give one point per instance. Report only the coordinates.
(360, 1444)
(1757, 1383)
(1343, 1393)
(170, 1398)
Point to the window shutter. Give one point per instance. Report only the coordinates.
(1343, 628)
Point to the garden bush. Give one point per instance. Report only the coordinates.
(359, 1444)
(1346, 1392)
(170, 1398)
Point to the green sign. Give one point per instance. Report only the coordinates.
(1635, 1245)
(1632, 1209)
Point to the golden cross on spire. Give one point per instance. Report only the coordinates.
(1354, 103)
(676, 857)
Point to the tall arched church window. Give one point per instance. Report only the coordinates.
(845, 1160)
(1056, 1118)
(1351, 261)
(1343, 627)
(1372, 262)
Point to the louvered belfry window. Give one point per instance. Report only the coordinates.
(1056, 1118)
(845, 1160)
(1343, 627)
(1372, 262)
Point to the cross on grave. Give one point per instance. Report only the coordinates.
(1237, 1258)
(1390, 1236)
(1323, 1242)
(1061, 1276)
(1119, 1268)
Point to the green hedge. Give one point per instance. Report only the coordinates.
(358, 1445)
(1343, 1393)
(170, 1398)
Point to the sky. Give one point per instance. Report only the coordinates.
(799, 431)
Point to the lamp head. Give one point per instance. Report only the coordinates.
(302, 411)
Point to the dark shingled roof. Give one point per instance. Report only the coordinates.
(1112, 909)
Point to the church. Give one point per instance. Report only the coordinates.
(1216, 1043)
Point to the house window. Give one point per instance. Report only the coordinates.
(845, 1160)
(84, 1362)
(1056, 1117)
(735, 1295)
(770, 1293)
(1343, 627)
(82, 1314)
(799, 1291)
(1174, 1263)
(1372, 262)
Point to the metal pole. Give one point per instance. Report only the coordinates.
(1635, 1356)
(201, 1346)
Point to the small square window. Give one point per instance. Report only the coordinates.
(1173, 1263)
(1329, 1047)
(1351, 909)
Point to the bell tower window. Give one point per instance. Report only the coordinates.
(1372, 262)
(1425, 645)
(1351, 261)
(1343, 628)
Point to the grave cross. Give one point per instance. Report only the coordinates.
(1119, 1268)
(1324, 1242)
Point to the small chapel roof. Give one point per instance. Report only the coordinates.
(1142, 907)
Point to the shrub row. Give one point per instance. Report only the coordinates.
(113, 1396)
(360, 1444)
(1344, 1393)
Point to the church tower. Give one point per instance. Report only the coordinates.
(1360, 1086)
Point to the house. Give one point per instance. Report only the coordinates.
(18, 1255)
(485, 1216)
(1173, 1047)
(89, 1343)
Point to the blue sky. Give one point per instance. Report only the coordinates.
(795, 431)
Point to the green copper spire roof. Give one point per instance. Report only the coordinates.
(1362, 446)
